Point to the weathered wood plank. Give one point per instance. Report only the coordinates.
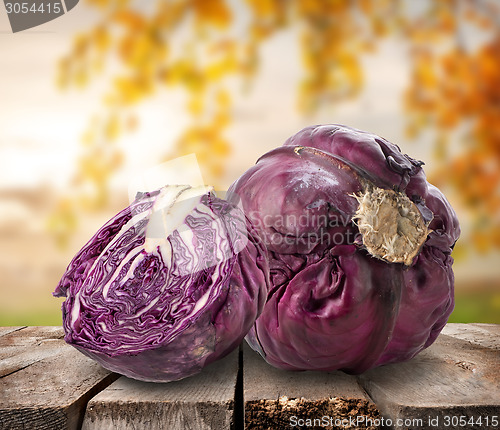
(277, 399)
(27, 346)
(7, 330)
(456, 377)
(203, 401)
(486, 335)
(45, 383)
(492, 328)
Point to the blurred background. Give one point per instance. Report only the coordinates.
(116, 87)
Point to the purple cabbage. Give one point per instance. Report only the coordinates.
(167, 286)
(359, 251)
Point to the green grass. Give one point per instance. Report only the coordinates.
(479, 306)
(30, 317)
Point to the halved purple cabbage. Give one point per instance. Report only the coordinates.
(167, 286)
(342, 297)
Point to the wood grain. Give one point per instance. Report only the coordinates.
(456, 376)
(45, 383)
(203, 401)
(27, 345)
(486, 335)
(7, 330)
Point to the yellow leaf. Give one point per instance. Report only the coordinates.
(81, 77)
(223, 99)
(265, 8)
(102, 38)
(212, 12)
(112, 129)
(195, 104)
(132, 20)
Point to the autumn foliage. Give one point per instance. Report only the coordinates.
(202, 46)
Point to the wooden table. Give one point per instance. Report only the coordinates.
(454, 384)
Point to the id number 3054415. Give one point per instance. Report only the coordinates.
(25, 7)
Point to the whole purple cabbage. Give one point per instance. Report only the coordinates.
(359, 251)
(170, 284)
